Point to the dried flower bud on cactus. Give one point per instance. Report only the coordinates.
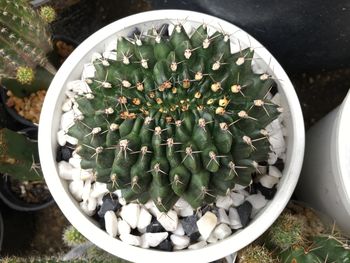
(186, 132)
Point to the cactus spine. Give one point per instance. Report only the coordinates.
(174, 116)
(19, 156)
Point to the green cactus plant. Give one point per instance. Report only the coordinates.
(24, 45)
(256, 254)
(174, 116)
(19, 156)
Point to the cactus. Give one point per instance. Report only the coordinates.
(287, 237)
(174, 116)
(255, 254)
(19, 156)
(72, 237)
(24, 43)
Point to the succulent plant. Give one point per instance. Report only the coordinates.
(19, 156)
(24, 42)
(174, 115)
(72, 237)
(255, 254)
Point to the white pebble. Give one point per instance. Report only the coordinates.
(86, 190)
(223, 218)
(206, 224)
(152, 208)
(131, 239)
(76, 111)
(153, 239)
(75, 162)
(110, 55)
(84, 205)
(76, 189)
(111, 223)
(123, 227)
(65, 170)
(275, 172)
(96, 56)
(272, 159)
(67, 105)
(88, 71)
(238, 187)
(235, 221)
(67, 120)
(258, 201)
(224, 201)
(222, 231)
(99, 189)
(180, 241)
(237, 198)
(70, 94)
(122, 201)
(198, 245)
(268, 181)
(142, 230)
(71, 140)
(179, 230)
(61, 137)
(168, 220)
(130, 213)
(212, 239)
(144, 218)
(183, 208)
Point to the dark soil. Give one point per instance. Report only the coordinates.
(31, 192)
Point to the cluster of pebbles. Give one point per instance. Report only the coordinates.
(181, 227)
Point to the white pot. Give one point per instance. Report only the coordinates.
(71, 70)
(325, 178)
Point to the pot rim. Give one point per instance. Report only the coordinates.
(87, 227)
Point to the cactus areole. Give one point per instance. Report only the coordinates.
(175, 115)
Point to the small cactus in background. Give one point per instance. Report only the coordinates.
(255, 254)
(72, 237)
(175, 116)
(19, 156)
(24, 39)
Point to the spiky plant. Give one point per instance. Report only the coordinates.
(175, 116)
(255, 254)
(24, 41)
(72, 237)
(19, 156)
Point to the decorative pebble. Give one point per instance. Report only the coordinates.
(110, 203)
(268, 181)
(212, 239)
(110, 55)
(65, 170)
(67, 105)
(71, 140)
(168, 220)
(142, 230)
(180, 241)
(206, 224)
(76, 189)
(99, 189)
(111, 223)
(198, 245)
(258, 201)
(131, 239)
(67, 120)
(75, 162)
(64, 153)
(79, 86)
(61, 137)
(87, 209)
(222, 231)
(223, 218)
(130, 213)
(269, 193)
(144, 218)
(179, 230)
(224, 202)
(237, 198)
(165, 245)
(195, 236)
(88, 71)
(183, 208)
(153, 239)
(235, 221)
(189, 225)
(152, 208)
(274, 172)
(244, 211)
(123, 227)
(86, 190)
(154, 227)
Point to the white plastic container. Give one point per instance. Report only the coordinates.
(325, 178)
(71, 70)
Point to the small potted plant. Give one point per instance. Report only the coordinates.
(29, 58)
(325, 181)
(22, 185)
(174, 125)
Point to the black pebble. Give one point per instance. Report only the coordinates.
(155, 227)
(64, 153)
(110, 203)
(279, 164)
(252, 189)
(244, 211)
(194, 237)
(165, 245)
(269, 193)
(189, 224)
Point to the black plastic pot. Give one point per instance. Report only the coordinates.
(14, 202)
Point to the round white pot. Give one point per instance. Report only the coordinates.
(72, 69)
(325, 178)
